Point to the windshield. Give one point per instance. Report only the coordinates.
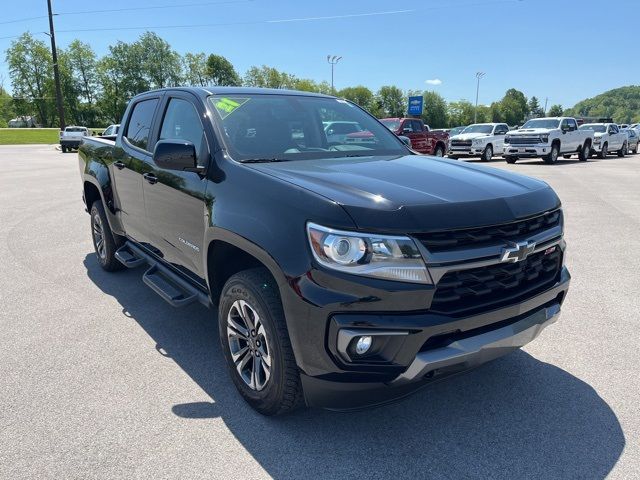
(478, 129)
(456, 131)
(594, 127)
(542, 123)
(297, 127)
(75, 129)
(391, 124)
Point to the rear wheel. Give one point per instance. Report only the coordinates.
(64, 149)
(105, 242)
(585, 152)
(511, 160)
(605, 150)
(624, 150)
(256, 344)
(487, 155)
(553, 154)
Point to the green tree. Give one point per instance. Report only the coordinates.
(535, 110)
(434, 112)
(623, 104)
(391, 101)
(360, 95)
(268, 77)
(555, 111)
(31, 73)
(220, 71)
(514, 107)
(195, 69)
(160, 65)
(460, 113)
(308, 85)
(7, 111)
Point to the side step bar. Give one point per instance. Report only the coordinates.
(173, 288)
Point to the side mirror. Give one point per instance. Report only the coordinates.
(175, 155)
(405, 140)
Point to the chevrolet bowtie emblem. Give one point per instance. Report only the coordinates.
(517, 252)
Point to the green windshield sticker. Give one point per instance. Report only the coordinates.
(226, 106)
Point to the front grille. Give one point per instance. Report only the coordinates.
(480, 289)
(521, 140)
(460, 143)
(483, 236)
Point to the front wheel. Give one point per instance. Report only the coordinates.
(624, 150)
(487, 155)
(439, 151)
(453, 157)
(511, 160)
(585, 152)
(64, 149)
(603, 153)
(105, 242)
(553, 155)
(256, 344)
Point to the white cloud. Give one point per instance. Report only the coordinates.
(433, 81)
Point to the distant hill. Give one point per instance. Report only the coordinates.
(622, 104)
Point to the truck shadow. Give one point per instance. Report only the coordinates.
(514, 418)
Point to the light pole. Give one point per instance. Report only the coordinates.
(56, 70)
(479, 75)
(333, 59)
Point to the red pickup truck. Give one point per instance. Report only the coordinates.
(423, 140)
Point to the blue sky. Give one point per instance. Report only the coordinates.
(565, 50)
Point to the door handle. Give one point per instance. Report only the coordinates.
(119, 165)
(150, 177)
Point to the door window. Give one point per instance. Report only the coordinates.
(417, 126)
(572, 124)
(181, 122)
(139, 127)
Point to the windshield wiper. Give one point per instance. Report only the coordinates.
(262, 160)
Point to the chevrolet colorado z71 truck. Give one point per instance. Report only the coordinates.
(607, 137)
(548, 138)
(344, 274)
(422, 139)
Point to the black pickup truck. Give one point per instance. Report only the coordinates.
(345, 274)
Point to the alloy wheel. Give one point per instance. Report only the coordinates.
(98, 237)
(249, 345)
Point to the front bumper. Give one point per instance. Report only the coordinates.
(597, 147)
(466, 151)
(524, 151)
(461, 344)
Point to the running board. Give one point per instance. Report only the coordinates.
(172, 287)
(127, 256)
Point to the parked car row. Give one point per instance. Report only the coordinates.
(71, 136)
(546, 138)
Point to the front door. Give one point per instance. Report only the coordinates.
(175, 200)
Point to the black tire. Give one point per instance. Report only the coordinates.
(624, 150)
(487, 155)
(553, 154)
(64, 149)
(282, 390)
(100, 230)
(438, 152)
(511, 160)
(453, 157)
(603, 153)
(585, 152)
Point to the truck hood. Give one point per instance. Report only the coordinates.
(531, 131)
(417, 193)
(470, 136)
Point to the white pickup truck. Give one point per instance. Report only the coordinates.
(71, 137)
(607, 137)
(548, 138)
(478, 140)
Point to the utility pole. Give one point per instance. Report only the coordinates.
(545, 105)
(56, 70)
(333, 60)
(479, 75)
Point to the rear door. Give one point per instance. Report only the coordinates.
(175, 200)
(132, 160)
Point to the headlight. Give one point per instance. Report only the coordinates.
(476, 142)
(544, 138)
(507, 139)
(597, 139)
(368, 254)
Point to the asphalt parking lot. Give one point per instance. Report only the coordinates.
(99, 378)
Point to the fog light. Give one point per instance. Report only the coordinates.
(363, 345)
